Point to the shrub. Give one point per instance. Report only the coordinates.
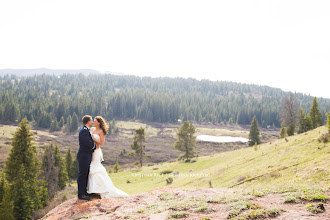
(273, 212)
(257, 213)
(290, 199)
(181, 214)
(201, 209)
(314, 195)
(315, 209)
(324, 138)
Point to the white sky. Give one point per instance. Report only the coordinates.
(283, 44)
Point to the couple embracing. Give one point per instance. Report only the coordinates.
(92, 176)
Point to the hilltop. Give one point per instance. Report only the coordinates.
(280, 177)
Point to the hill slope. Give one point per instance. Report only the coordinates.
(300, 161)
(247, 184)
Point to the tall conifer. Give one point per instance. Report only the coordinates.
(22, 170)
(69, 163)
(6, 204)
(138, 145)
(254, 132)
(301, 121)
(315, 114)
(186, 142)
(62, 173)
(328, 122)
(74, 123)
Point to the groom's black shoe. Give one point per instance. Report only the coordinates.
(83, 197)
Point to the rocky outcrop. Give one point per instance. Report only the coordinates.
(186, 203)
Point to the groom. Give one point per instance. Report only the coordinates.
(84, 156)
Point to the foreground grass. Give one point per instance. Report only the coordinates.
(281, 166)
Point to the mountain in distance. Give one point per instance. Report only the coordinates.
(39, 71)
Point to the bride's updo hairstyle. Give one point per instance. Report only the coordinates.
(103, 125)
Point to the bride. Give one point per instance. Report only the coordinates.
(98, 179)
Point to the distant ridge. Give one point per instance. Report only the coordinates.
(39, 71)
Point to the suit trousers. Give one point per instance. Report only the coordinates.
(84, 159)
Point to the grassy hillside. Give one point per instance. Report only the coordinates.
(299, 162)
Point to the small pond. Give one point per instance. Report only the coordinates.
(221, 139)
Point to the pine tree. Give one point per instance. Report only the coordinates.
(54, 125)
(6, 205)
(68, 121)
(309, 123)
(328, 121)
(74, 123)
(69, 164)
(290, 130)
(283, 130)
(301, 121)
(50, 171)
(61, 123)
(116, 167)
(254, 132)
(315, 114)
(2, 184)
(62, 174)
(138, 147)
(43, 193)
(186, 142)
(22, 170)
(23, 201)
(75, 169)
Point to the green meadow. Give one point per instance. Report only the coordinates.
(297, 162)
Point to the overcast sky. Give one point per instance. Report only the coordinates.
(284, 44)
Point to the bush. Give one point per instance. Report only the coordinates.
(315, 209)
(257, 213)
(116, 167)
(181, 214)
(324, 138)
(290, 199)
(273, 212)
(313, 195)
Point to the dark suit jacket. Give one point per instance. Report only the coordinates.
(86, 143)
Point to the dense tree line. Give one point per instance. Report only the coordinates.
(299, 119)
(59, 101)
(28, 182)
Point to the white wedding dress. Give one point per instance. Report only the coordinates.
(98, 178)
